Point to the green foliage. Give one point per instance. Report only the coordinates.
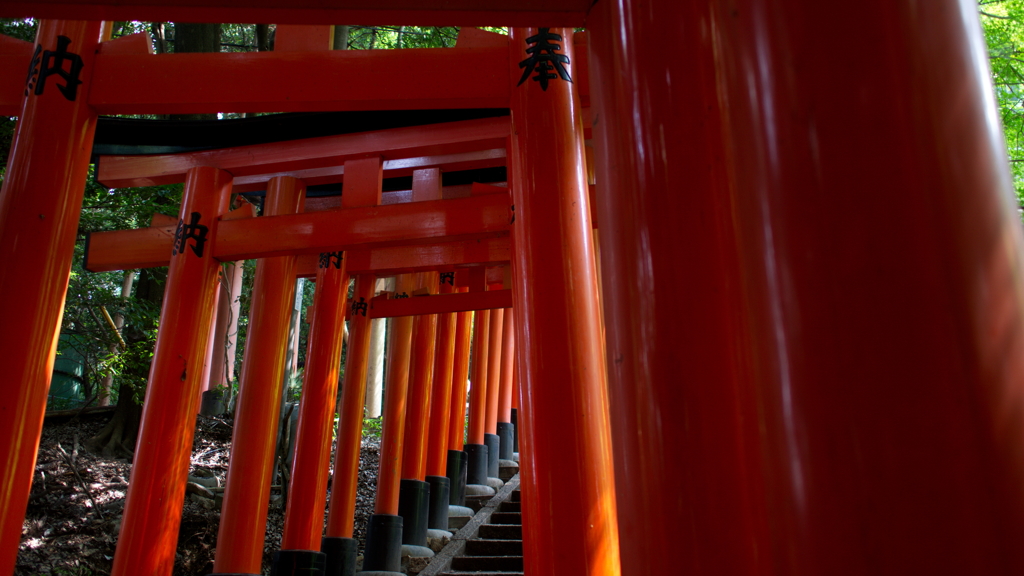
(1003, 23)
(373, 427)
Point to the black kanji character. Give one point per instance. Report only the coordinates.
(448, 278)
(328, 258)
(191, 231)
(359, 307)
(544, 59)
(402, 295)
(51, 63)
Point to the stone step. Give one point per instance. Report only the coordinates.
(494, 547)
(515, 496)
(507, 506)
(506, 518)
(488, 563)
(455, 523)
(502, 531)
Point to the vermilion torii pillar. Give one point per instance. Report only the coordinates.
(458, 462)
(569, 518)
(440, 412)
(505, 429)
(39, 208)
(149, 528)
(304, 516)
(494, 349)
(244, 513)
(475, 448)
(384, 533)
(883, 257)
(683, 417)
(338, 542)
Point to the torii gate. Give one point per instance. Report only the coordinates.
(485, 244)
(811, 262)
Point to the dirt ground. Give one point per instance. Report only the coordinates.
(72, 522)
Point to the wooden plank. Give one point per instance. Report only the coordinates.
(433, 223)
(411, 79)
(487, 250)
(294, 156)
(383, 307)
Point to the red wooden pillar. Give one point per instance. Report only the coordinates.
(418, 496)
(152, 513)
(683, 417)
(494, 350)
(384, 534)
(244, 513)
(414, 497)
(504, 429)
(441, 393)
(39, 208)
(568, 465)
(475, 447)
(307, 494)
(339, 544)
(458, 462)
(883, 257)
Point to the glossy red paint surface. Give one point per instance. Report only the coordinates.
(39, 209)
(460, 375)
(307, 493)
(421, 382)
(508, 360)
(441, 392)
(883, 255)
(496, 329)
(566, 435)
(367, 227)
(683, 415)
(152, 513)
(341, 518)
(244, 512)
(447, 13)
(396, 390)
(477, 426)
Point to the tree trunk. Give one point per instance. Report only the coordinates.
(340, 37)
(263, 38)
(196, 38)
(117, 439)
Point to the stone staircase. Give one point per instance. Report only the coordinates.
(491, 544)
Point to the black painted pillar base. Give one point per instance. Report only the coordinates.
(493, 442)
(437, 518)
(341, 555)
(458, 464)
(477, 471)
(414, 508)
(515, 429)
(298, 563)
(383, 551)
(506, 432)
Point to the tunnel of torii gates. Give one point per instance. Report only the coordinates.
(805, 355)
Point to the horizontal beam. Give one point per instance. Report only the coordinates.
(254, 163)
(452, 232)
(391, 260)
(372, 226)
(383, 307)
(552, 13)
(411, 79)
(392, 169)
